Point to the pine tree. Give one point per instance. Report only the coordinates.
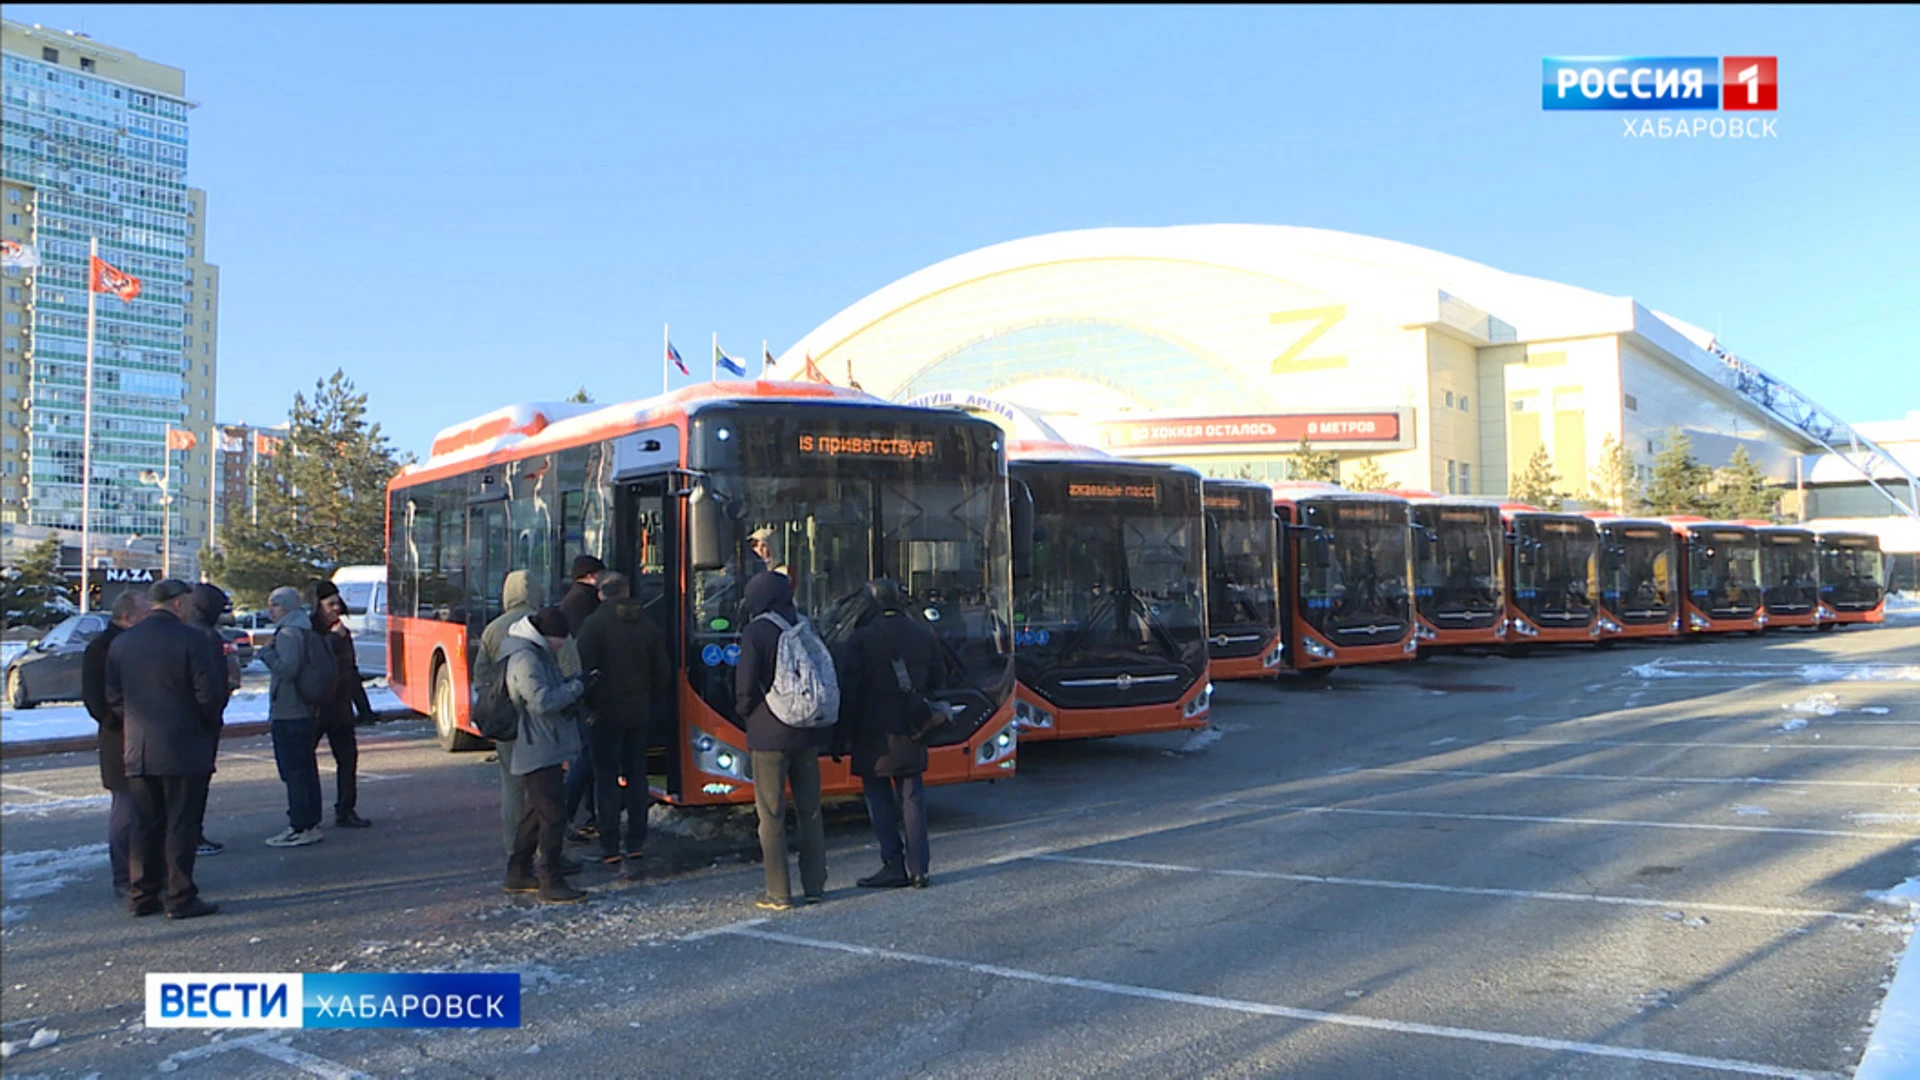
(581, 397)
(1311, 464)
(320, 498)
(1615, 483)
(1678, 483)
(1536, 484)
(36, 593)
(1741, 489)
(1369, 476)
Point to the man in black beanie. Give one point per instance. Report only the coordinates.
(336, 721)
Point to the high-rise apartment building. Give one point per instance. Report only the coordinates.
(95, 148)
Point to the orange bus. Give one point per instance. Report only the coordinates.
(1349, 561)
(1243, 581)
(1720, 575)
(1639, 577)
(1789, 576)
(1459, 577)
(1553, 576)
(1110, 616)
(1853, 579)
(680, 493)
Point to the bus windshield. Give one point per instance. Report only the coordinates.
(1458, 572)
(935, 523)
(1353, 570)
(1241, 605)
(1724, 572)
(1115, 581)
(1636, 574)
(1852, 575)
(1790, 573)
(1554, 570)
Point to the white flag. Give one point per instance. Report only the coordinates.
(15, 255)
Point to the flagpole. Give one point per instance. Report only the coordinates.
(666, 342)
(166, 510)
(86, 438)
(713, 364)
(763, 359)
(213, 470)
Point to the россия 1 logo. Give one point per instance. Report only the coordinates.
(1660, 83)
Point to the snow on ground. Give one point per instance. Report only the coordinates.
(30, 874)
(1893, 1050)
(1664, 668)
(1902, 607)
(67, 721)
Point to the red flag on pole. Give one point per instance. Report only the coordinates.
(264, 445)
(812, 372)
(181, 439)
(106, 279)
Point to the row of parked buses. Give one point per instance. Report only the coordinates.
(1073, 594)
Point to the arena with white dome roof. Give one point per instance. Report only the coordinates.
(1220, 346)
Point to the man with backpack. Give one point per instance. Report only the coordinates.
(303, 669)
(625, 655)
(786, 696)
(892, 664)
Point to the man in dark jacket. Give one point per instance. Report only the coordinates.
(625, 658)
(131, 607)
(336, 722)
(208, 602)
(165, 683)
(779, 752)
(582, 597)
(877, 725)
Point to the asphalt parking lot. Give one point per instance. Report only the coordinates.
(1650, 860)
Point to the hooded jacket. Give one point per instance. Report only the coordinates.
(208, 602)
(629, 652)
(283, 658)
(549, 725)
(522, 596)
(759, 649)
(875, 721)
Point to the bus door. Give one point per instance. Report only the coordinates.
(642, 550)
(486, 567)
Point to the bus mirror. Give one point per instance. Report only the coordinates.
(1020, 521)
(708, 529)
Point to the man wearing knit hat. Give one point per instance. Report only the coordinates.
(336, 721)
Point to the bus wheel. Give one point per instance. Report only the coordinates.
(452, 739)
(1829, 626)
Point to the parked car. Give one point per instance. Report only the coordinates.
(50, 669)
(364, 588)
(242, 642)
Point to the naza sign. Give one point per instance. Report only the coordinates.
(129, 576)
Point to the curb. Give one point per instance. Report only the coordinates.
(73, 743)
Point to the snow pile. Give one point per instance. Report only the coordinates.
(1201, 739)
(1906, 894)
(1823, 704)
(1902, 607)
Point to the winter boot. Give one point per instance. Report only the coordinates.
(557, 891)
(891, 876)
(520, 879)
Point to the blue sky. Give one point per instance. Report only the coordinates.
(468, 207)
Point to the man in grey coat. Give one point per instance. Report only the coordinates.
(291, 719)
(548, 703)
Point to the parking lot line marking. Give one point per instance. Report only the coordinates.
(1309, 1016)
(264, 1045)
(1472, 890)
(25, 790)
(1707, 745)
(1542, 774)
(1777, 830)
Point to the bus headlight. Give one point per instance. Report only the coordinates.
(1760, 618)
(1825, 614)
(1316, 650)
(1423, 632)
(1500, 629)
(1610, 626)
(1032, 717)
(1524, 628)
(1696, 622)
(999, 746)
(1411, 645)
(712, 756)
(1201, 702)
(1275, 656)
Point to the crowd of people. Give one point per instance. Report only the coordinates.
(585, 679)
(158, 680)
